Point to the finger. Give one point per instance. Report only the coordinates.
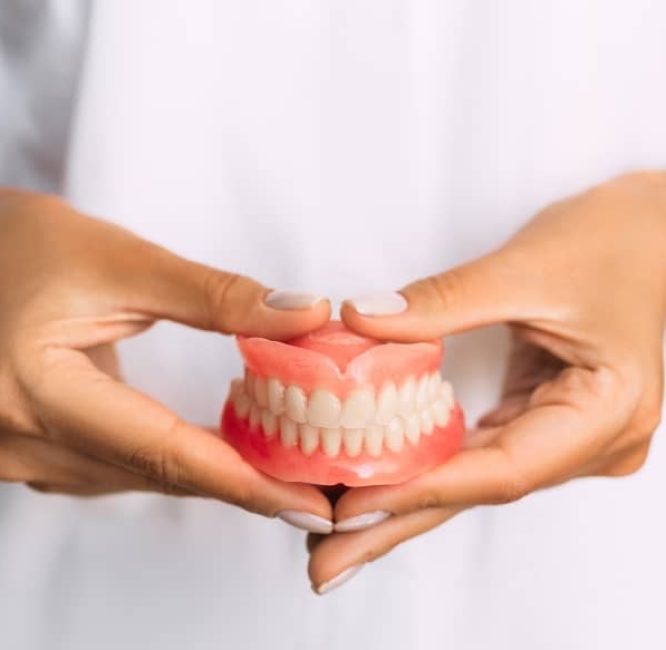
(39, 462)
(87, 410)
(339, 552)
(568, 425)
(484, 292)
(159, 284)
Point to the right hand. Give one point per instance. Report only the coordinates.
(70, 287)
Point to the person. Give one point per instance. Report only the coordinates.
(156, 158)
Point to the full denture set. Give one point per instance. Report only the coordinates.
(335, 407)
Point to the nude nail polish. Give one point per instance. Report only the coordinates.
(307, 521)
(338, 580)
(379, 304)
(362, 521)
(291, 300)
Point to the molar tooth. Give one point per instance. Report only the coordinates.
(422, 391)
(324, 409)
(275, 395)
(353, 441)
(331, 439)
(261, 391)
(358, 408)
(446, 393)
(288, 432)
(387, 403)
(406, 397)
(374, 439)
(255, 415)
(413, 428)
(296, 404)
(269, 423)
(242, 404)
(434, 386)
(427, 422)
(236, 388)
(440, 412)
(395, 434)
(309, 436)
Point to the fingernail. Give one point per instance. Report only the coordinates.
(340, 579)
(291, 300)
(379, 304)
(360, 522)
(307, 521)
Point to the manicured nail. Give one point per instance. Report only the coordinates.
(379, 304)
(307, 521)
(360, 522)
(340, 579)
(291, 300)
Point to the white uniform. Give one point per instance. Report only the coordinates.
(340, 146)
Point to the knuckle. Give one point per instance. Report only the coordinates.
(162, 463)
(216, 292)
(447, 288)
(628, 465)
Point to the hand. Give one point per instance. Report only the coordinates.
(71, 286)
(583, 289)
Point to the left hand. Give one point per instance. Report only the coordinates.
(583, 288)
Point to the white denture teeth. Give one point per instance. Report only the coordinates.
(358, 409)
(288, 432)
(269, 423)
(387, 403)
(324, 409)
(374, 439)
(331, 440)
(275, 395)
(395, 434)
(352, 440)
(309, 437)
(407, 397)
(296, 404)
(359, 423)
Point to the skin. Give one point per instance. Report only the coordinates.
(71, 287)
(583, 289)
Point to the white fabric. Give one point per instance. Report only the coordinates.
(344, 146)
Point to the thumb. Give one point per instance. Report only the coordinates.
(486, 291)
(159, 284)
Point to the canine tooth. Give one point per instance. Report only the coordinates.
(434, 386)
(275, 396)
(422, 390)
(406, 397)
(446, 392)
(358, 408)
(242, 404)
(296, 404)
(261, 391)
(395, 434)
(331, 439)
(374, 439)
(255, 415)
(440, 412)
(269, 423)
(353, 441)
(324, 409)
(427, 422)
(413, 428)
(309, 436)
(387, 403)
(288, 431)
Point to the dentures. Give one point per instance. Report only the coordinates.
(335, 407)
